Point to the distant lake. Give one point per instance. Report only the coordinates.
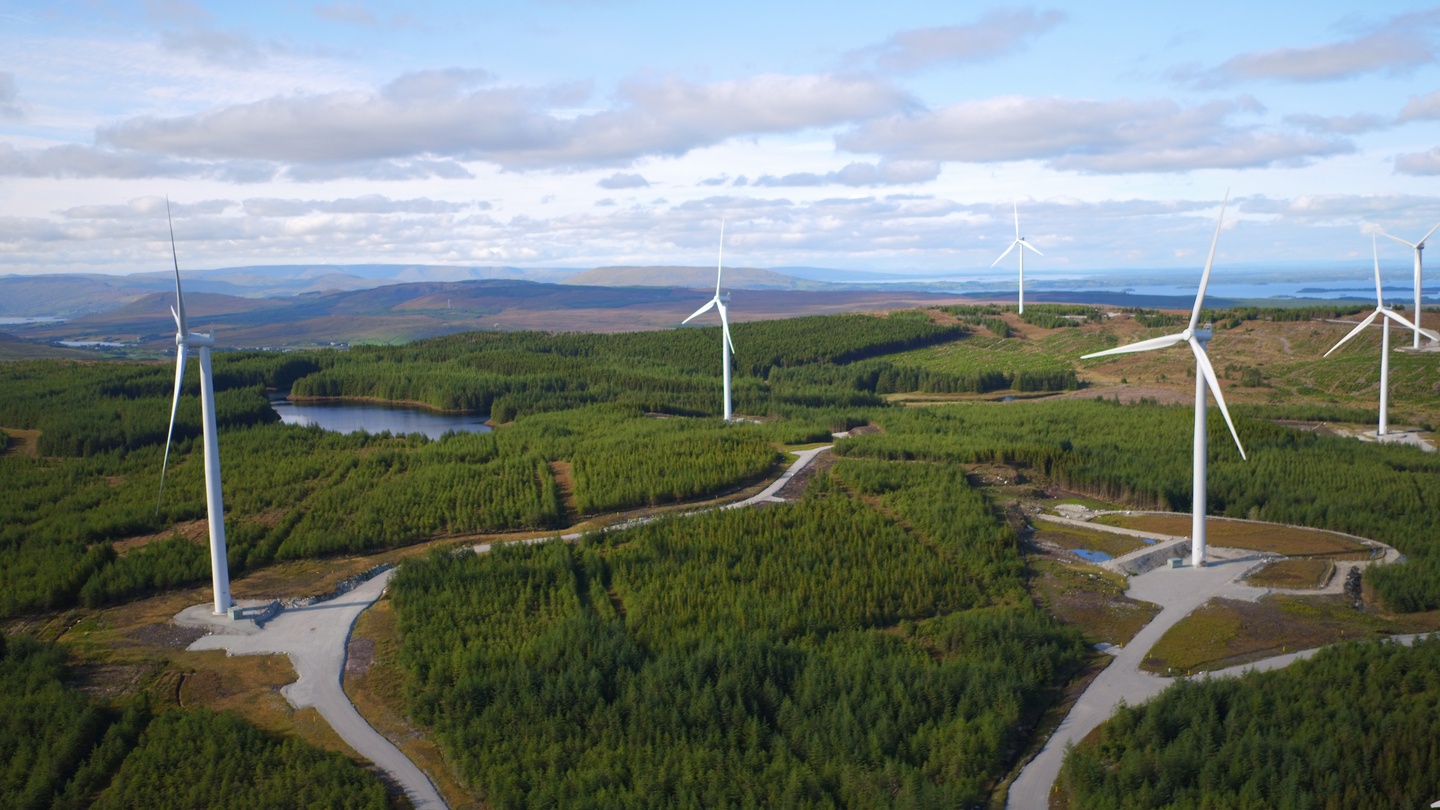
(354, 417)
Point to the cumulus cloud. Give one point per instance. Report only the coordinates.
(1419, 163)
(1422, 108)
(214, 45)
(78, 161)
(1399, 45)
(1089, 135)
(146, 208)
(996, 34)
(1338, 124)
(367, 204)
(886, 173)
(9, 96)
(176, 12)
(442, 114)
(380, 170)
(353, 13)
(1365, 212)
(621, 180)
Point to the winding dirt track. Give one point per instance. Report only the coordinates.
(316, 637)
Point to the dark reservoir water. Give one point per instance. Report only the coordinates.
(353, 417)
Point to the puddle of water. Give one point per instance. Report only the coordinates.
(1090, 556)
(1149, 541)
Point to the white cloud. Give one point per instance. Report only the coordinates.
(1419, 163)
(379, 170)
(621, 180)
(1338, 124)
(9, 96)
(996, 34)
(442, 114)
(1422, 108)
(146, 208)
(886, 173)
(368, 204)
(1341, 210)
(1399, 45)
(77, 161)
(214, 45)
(176, 12)
(1084, 135)
(352, 13)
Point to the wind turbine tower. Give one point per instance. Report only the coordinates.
(214, 506)
(1419, 248)
(1023, 245)
(727, 346)
(1387, 315)
(1197, 338)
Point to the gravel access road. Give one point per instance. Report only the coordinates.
(315, 638)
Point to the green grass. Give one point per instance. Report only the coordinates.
(1112, 543)
(1298, 572)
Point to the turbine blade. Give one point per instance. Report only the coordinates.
(179, 299)
(1142, 346)
(1006, 253)
(1209, 371)
(1209, 262)
(702, 310)
(725, 328)
(174, 406)
(1405, 322)
(1375, 249)
(1429, 234)
(1017, 220)
(1025, 244)
(720, 261)
(1357, 330)
(1397, 239)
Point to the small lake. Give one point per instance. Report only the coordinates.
(355, 417)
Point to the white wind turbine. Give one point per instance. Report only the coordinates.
(1388, 315)
(726, 345)
(214, 506)
(1419, 248)
(1204, 373)
(1023, 245)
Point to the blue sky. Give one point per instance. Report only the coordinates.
(844, 134)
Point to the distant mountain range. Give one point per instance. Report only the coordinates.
(736, 278)
(402, 312)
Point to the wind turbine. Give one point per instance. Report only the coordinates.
(1204, 373)
(1419, 248)
(1022, 244)
(726, 344)
(214, 506)
(1388, 316)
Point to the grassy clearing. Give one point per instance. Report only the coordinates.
(1294, 572)
(1225, 632)
(1272, 537)
(1072, 537)
(374, 682)
(19, 442)
(1089, 598)
(1082, 500)
(132, 650)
